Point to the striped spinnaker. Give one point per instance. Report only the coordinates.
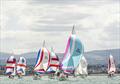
(11, 66)
(73, 52)
(21, 66)
(43, 61)
(54, 62)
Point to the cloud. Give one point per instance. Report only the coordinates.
(113, 32)
(64, 2)
(20, 42)
(25, 24)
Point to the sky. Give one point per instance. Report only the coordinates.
(25, 24)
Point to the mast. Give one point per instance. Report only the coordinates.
(44, 43)
(73, 29)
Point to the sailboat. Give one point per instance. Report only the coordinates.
(21, 66)
(54, 62)
(82, 67)
(11, 67)
(111, 66)
(73, 53)
(43, 60)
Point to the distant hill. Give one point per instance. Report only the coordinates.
(101, 56)
(31, 57)
(93, 57)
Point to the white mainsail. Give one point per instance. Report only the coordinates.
(82, 67)
(111, 65)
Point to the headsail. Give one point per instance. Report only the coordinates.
(54, 61)
(43, 60)
(21, 66)
(73, 52)
(82, 67)
(11, 66)
(111, 65)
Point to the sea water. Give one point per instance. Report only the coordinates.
(71, 80)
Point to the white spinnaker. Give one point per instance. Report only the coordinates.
(82, 67)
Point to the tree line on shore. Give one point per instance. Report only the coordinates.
(92, 69)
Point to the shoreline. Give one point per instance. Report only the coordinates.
(70, 75)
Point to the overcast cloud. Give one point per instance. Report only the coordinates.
(24, 24)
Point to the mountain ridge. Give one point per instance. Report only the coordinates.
(93, 57)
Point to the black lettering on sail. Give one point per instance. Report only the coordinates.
(78, 50)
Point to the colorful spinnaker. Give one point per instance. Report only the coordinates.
(11, 66)
(73, 52)
(82, 67)
(43, 60)
(111, 65)
(21, 66)
(54, 62)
